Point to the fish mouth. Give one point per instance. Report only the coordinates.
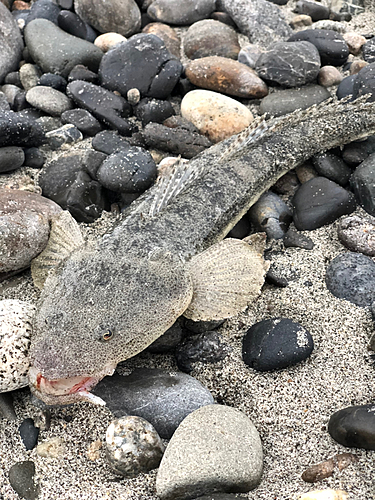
(65, 390)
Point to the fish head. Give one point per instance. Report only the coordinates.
(97, 309)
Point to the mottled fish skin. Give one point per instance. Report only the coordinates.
(133, 283)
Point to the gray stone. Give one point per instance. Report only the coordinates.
(357, 233)
(67, 134)
(55, 51)
(11, 158)
(271, 215)
(49, 100)
(29, 75)
(177, 12)
(260, 20)
(290, 64)
(313, 9)
(249, 55)
(21, 477)
(352, 6)
(11, 43)
(333, 167)
(215, 449)
(287, 101)
(111, 16)
(211, 38)
(363, 184)
(162, 398)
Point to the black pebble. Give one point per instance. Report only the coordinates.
(34, 158)
(274, 279)
(333, 167)
(277, 343)
(331, 46)
(21, 478)
(363, 184)
(294, 239)
(72, 24)
(17, 129)
(315, 10)
(80, 72)
(6, 406)
(83, 120)
(169, 340)
(354, 426)
(55, 81)
(153, 110)
(356, 152)
(44, 9)
(109, 142)
(351, 276)
(365, 82)
(29, 433)
(241, 229)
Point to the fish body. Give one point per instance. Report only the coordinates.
(104, 304)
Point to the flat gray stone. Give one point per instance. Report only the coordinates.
(49, 100)
(55, 51)
(215, 449)
(287, 101)
(11, 43)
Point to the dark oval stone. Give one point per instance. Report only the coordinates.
(43, 9)
(34, 158)
(333, 167)
(11, 158)
(21, 478)
(287, 101)
(109, 142)
(351, 276)
(277, 343)
(19, 130)
(132, 170)
(83, 120)
(153, 110)
(80, 72)
(331, 46)
(363, 184)
(320, 201)
(346, 87)
(356, 152)
(365, 82)
(71, 23)
(354, 426)
(55, 81)
(315, 10)
(297, 240)
(29, 433)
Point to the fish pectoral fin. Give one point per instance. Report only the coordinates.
(65, 236)
(226, 278)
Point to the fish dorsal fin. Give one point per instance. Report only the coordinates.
(171, 184)
(65, 236)
(226, 278)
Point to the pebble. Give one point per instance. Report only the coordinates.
(7, 406)
(357, 233)
(262, 22)
(297, 240)
(368, 51)
(17, 129)
(15, 334)
(332, 167)
(363, 184)
(55, 51)
(328, 76)
(306, 172)
(65, 135)
(153, 110)
(354, 426)
(271, 215)
(172, 337)
(143, 62)
(11, 43)
(354, 41)
(11, 158)
(29, 433)
(331, 46)
(107, 41)
(163, 398)
(109, 142)
(320, 201)
(225, 448)
(167, 35)
(29, 76)
(128, 171)
(364, 83)
(290, 64)
(211, 38)
(325, 469)
(346, 87)
(80, 72)
(353, 6)
(351, 276)
(83, 120)
(208, 347)
(227, 76)
(277, 343)
(72, 24)
(201, 326)
(43, 9)
(55, 81)
(356, 152)
(287, 101)
(132, 446)
(215, 115)
(53, 448)
(313, 9)
(249, 55)
(49, 100)
(108, 107)
(21, 478)
(327, 494)
(301, 21)
(178, 141)
(175, 12)
(119, 16)
(356, 66)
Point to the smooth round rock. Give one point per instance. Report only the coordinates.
(331, 46)
(287, 101)
(211, 38)
(21, 478)
(109, 142)
(55, 51)
(80, 72)
(346, 87)
(363, 184)
(249, 55)
(215, 115)
(225, 448)
(162, 398)
(107, 41)
(153, 110)
(313, 9)
(83, 120)
(132, 446)
(357, 233)
(55, 81)
(167, 34)
(351, 276)
(19, 130)
(120, 16)
(72, 24)
(143, 62)
(355, 42)
(227, 76)
(15, 335)
(357, 152)
(11, 43)
(320, 201)
(128, 171)
(29, 76)
(176, 12)
(354, 426)
(29, 433)
(49, 100)
(328, 76)
(277, 343)
(333, 167)
(364, 83)
(290, 64)
(11, 158)
(43, 9)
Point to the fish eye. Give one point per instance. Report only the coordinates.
(107, 335)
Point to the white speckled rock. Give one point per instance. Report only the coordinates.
(215, 449)
(215, 115)
(15, 332)
(132, 446)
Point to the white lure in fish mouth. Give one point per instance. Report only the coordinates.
(65, 391)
